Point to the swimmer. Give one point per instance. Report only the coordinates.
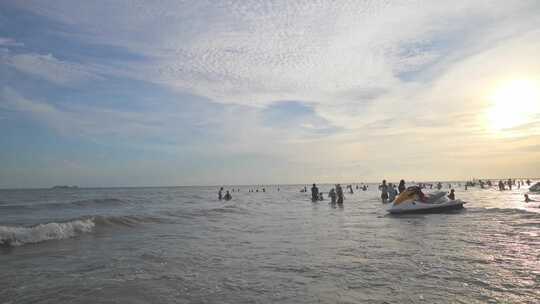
(527, 199)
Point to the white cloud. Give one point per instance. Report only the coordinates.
(349, 58)
(50, 68)
(256, 52)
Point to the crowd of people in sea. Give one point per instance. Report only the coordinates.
(389, 191)
(336, 194)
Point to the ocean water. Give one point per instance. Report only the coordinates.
(182, 245)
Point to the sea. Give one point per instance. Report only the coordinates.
(183, 245)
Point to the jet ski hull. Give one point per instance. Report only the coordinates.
(419, 207)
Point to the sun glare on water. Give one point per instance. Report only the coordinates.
(514, 104)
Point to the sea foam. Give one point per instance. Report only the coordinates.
(19, 235)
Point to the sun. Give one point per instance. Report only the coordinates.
(514, 104)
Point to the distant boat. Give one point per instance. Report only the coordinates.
(65, 187)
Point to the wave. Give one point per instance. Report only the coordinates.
(20, 235)
(212, 212)
(508, 211)
(126, 220)
(194, 214)
(17, 235)
(105, 202)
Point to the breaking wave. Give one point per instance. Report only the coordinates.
(20, 235)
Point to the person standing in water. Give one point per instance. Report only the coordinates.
(228, 196)
(339, 192)
(220, 193)
(401, 186)
(392, 192)
(384, 191)
(314, 193)
(332, 195)
(452, 195)
(528, 200)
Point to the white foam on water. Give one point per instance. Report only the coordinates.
(18, 235)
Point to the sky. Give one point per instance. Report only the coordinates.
(171, 93)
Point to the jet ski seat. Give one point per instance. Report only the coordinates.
(435, 197)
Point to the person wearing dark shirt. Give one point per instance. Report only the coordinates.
(339, 192)
(314, 193)
(401, 186)
(452, 195)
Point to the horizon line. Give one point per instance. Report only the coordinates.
(75, 187)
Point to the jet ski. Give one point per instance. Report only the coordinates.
(413, 200)
(535, 187)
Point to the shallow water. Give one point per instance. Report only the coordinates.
(182, 245)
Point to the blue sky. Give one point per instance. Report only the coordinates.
(131, 93)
